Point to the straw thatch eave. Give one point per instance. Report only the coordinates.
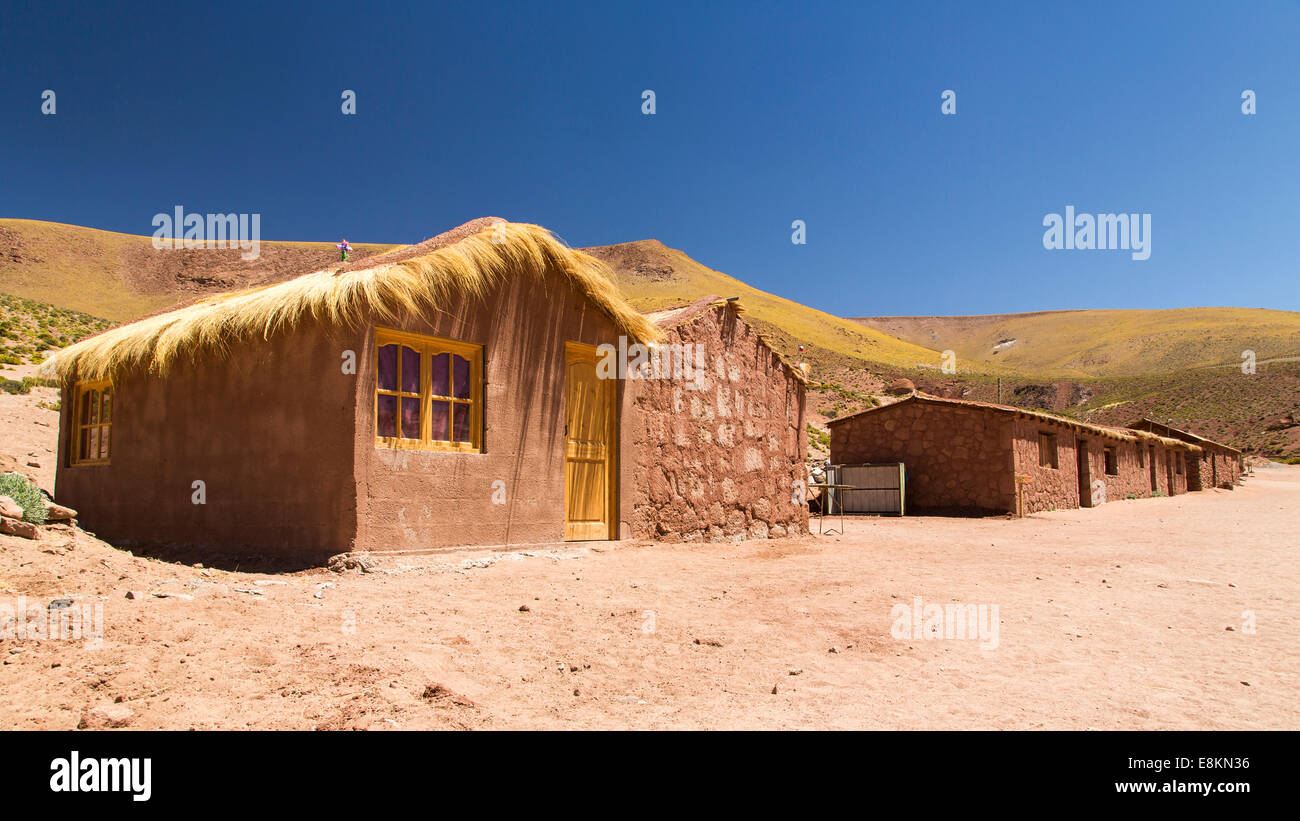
(1182, 435)
(469, 267)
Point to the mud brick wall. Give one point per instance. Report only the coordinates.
(718, 462)
(266, 426)
(957, 459)
(415, 499)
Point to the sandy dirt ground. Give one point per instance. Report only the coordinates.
(1176, 612)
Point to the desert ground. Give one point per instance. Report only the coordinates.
(1167, 613)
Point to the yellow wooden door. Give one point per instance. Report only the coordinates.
(589, 447)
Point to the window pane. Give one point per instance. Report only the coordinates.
(83, 448)
(388, 367)
(410, 418)
(460, 423)
(460, 377)
(438, 419)
(93, 399)
(410, 370)
(441, 376)
(85, 406)
(104, 433)
(106, 408)
(92, 450)
(387, 422)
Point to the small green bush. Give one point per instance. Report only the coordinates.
(819, 438)
(27, 495)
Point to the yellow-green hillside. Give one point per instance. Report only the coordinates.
(122, 276)
(652, 276)
(1103, 343)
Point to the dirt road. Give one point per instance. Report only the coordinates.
(1134, 615)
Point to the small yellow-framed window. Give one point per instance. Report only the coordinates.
(428, 392)
(92, 428)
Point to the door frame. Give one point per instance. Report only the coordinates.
(1084, 470)
(611, 399)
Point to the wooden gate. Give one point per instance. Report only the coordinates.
(881, 488)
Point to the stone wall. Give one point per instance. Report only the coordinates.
(1133, 479)
(1048, 488)
(716, 458)
(1220, 468)
(958, 459)
(1058, 488)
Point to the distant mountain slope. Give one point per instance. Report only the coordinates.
(1179, 365)
(652, 276)
(121, 276)
(1103, 343)
(1257, 412)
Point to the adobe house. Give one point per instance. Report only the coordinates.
(720, 454)
(1219, 465)
(966, 457)
(442, 394)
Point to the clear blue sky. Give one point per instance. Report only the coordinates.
(766, 113)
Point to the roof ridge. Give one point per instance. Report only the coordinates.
(480, 255)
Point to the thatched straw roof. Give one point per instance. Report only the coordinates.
(1146, 424)
(464, 263)
(1105, 431)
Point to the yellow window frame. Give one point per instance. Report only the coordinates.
(92, 391)
(429, 347)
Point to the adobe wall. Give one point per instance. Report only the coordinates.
(267, 427)
(716, 460)
(415, 499)
(958, 459)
